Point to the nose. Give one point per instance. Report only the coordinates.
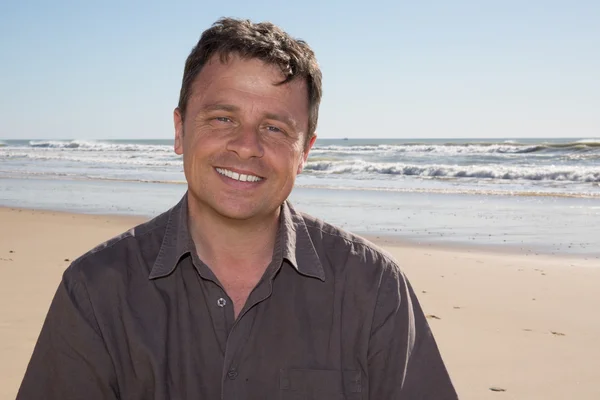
(245, 142)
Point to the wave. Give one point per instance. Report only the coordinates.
(170, 159)
(455, 191)
(593, 141)
(462, 148)
(450, 148)
(489, 192)
(332, 166)
(85, 145)
(533, 173)
(85, 177)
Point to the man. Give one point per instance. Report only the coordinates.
(233, 294)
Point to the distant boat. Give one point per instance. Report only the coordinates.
(345, 138)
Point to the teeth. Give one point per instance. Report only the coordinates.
(238, 177)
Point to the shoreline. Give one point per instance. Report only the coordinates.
(547, 225)
(415, 190)
(380, 239)
(476, 248)
(501, 319)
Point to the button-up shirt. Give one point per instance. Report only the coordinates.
(142, 317)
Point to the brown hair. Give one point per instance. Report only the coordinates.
(264, 41)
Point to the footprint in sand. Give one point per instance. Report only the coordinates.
(431, 316)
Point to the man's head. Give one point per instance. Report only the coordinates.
(263, 41)
(246, 119)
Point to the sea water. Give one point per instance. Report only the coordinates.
(541, 194)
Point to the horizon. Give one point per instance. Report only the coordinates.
(390, 69)
(574, 139)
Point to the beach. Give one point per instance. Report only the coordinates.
(461, 139)
(510, 324)
(498, 237)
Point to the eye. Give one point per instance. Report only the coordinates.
(273, 129)
(222, 119)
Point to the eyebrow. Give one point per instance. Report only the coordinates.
(231, 108)
(282, 118)
(220, 107)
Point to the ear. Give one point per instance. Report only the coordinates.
(178, 122)
(307, 148)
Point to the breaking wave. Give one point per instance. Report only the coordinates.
(84, 145)
(508, 147)
(167, 159)
(534, 173)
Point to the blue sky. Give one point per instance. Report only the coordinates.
(407, 69)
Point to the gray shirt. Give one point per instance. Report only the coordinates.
(142, 317)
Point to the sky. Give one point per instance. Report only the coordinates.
(73, 69)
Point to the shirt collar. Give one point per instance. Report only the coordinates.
(176, 242)
(297, 246)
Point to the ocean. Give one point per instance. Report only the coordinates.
(528, 194)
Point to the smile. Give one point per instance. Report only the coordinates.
(238, 177)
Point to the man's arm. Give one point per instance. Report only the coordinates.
(70, 359)
(404, 360)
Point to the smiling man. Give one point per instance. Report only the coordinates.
(233, 294)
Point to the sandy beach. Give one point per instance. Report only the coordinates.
(525, 325)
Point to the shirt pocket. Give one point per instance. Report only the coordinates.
(319, 384)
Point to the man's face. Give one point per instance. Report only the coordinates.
(243, 138)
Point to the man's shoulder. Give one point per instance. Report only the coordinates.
(343, 248)
(133, 248)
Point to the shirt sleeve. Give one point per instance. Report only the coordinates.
(70, 359)
(404, 360)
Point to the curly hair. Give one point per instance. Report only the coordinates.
(264, 41)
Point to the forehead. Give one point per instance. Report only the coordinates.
(247, 78)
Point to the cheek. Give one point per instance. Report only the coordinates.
(200, 142)
(192, 155)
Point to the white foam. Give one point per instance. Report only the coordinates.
(471, 191)
(503, 172)
(509, 147)
(467, 149)
(85, 145)
(587, 141)
(95, 158)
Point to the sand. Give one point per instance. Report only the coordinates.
(523, 324)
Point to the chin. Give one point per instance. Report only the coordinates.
(239, 210)
(235, 208)
(241, 214)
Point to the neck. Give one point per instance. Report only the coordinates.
(232, 246)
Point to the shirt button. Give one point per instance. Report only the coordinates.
(232, 374)
(221, 302)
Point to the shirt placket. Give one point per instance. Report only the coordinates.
(239, 335)
(220, 306)
(221, 310)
